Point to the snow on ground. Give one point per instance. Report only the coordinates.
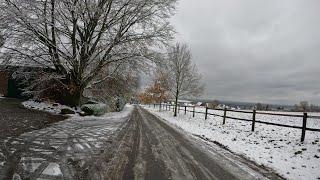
(276, 147)
(50, 107)
(128, 108)
(111, 116)
(55, 108)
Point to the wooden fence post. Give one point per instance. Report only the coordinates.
(154, 105)
(206, 115)
(253, 120)
(169, 107)
(194, 108)
(178, 108)
(185, 110)
(304, 126)
(224, 115)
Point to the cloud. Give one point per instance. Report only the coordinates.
(249, 50)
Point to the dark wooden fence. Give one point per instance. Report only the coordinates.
(303, 116)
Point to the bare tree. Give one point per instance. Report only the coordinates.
(183, 74)
(259, 106)
(304, 105)
(122, 82)
(79, 38)
(213, 104)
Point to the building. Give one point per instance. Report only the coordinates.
(9, 86)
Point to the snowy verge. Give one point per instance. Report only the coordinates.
(110, 117)
(275, 147)
(55, 108)
(126, 111)
(50, 107)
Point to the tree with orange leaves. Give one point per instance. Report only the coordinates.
(158, 91)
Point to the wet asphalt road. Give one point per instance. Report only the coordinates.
(135, 146)
(15, 119)
(63, 150)
(151, 149)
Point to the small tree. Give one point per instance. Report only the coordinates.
(259, 106)
(158, 91)
(213, 104)
(183, 75)
(304, 105)
(267, 107)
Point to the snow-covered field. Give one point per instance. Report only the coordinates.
(276, 147)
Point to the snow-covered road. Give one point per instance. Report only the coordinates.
(160, 151)
(276, 147)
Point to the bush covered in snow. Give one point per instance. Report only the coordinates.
(95, 109)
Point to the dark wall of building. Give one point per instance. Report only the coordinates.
(9, 86)
(15, 89)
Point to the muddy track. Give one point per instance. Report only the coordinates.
(151, 149)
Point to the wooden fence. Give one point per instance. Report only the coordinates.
(304, 116)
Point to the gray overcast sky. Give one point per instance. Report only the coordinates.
(254, 50)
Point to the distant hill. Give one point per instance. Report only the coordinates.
(243, 105)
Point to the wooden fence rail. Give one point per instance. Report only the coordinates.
(253, 121)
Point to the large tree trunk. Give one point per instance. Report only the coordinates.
(74, 95)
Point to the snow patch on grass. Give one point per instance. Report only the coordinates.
(55, 108)
(276, 147)
(50, 107)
